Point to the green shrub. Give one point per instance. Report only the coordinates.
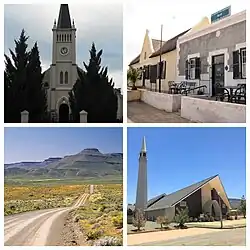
(182, 217)
(118, 221)
(94, 234)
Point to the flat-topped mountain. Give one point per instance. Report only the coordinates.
(90, 162)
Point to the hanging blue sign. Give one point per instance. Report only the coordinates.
(221, 14)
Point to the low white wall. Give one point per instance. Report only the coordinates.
(200, 110)
(163, 101)
(133, 95)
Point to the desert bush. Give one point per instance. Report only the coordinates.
(108, 241)
(94, 234)
(181, 217)
(118, 220)
(162, 220)
(139, 219)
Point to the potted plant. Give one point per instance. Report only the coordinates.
(133, 75)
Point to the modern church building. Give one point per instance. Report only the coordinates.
(204, 197)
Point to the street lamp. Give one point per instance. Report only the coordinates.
(221, 222)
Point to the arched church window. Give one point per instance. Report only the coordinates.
(61, 77)
(60, 37)
(70, 37)
(67, 37)
(66, 77)
(64, 37)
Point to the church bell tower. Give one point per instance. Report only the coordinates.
(63, 74)
(142, 188)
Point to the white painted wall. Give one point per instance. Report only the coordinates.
(162, 101)
(201, 110)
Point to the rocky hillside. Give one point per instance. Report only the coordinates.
(88, 163)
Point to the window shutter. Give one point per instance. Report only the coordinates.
(197, 68)
(140, 75)
(147, 72)
(163, 70)
(153, 73)
(236, 65)
(158, 70)
(186, 70)
(150, 73)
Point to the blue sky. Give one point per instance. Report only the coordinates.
(95, 21)
(179, 157)
(35, 144)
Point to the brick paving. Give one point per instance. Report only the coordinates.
(143, 113)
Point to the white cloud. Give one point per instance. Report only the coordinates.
(176, 17)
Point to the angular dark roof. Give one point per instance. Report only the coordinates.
(64, 21)
(171, 199)
(136, 60)
(168, 45)
(155, 199)
(156, 44)
(131, 207)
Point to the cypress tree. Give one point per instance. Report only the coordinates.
(23, 83)
(94, 92)
(36, 94)
(15, 80)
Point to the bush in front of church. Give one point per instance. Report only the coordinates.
(23, 87)
(93, 92)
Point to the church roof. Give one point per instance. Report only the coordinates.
(64, 21)
(175, 197)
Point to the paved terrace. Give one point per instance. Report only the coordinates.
(143, 113)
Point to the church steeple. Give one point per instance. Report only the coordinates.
(142, 192)
(143, 148)
(64, 21)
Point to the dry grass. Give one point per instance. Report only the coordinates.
(19, 199)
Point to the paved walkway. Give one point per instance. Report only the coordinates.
(191, 237)
(143, 113)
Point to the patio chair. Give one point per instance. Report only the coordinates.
(221, 93)
(239, 94)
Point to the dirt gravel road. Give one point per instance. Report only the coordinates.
(37, 228)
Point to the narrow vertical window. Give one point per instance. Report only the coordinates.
(66, 77)
(60, 38)
(70, 37)
(57, 37)
(61, 77)
(67, 37)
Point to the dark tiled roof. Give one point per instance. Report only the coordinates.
(171, 199)
(155, 199)
(136, 60)
(64, 17)
(168, 45)
(131, 207)
(156, 44)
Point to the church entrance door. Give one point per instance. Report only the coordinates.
(64, 113)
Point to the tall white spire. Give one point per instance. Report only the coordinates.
(143, 147)
(142, 188)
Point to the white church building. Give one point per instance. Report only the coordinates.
(62, 74)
